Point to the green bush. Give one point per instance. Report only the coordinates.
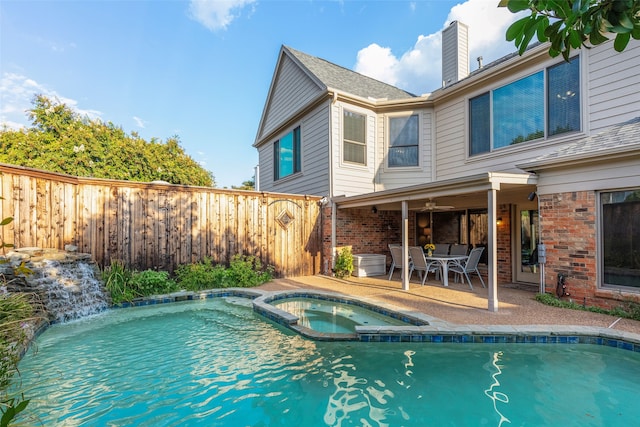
(243, 271)
(200, 275)
(344, 263)
(15, 311)
(151, 282)
(125, 285)
(117, 280)
(247, 271)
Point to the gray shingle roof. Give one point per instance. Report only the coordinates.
(345, 80)
(617, 138)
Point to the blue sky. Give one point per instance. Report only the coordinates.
(201, 69)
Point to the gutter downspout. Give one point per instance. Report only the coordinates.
(334, 208)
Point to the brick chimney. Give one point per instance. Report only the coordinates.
(455, 53)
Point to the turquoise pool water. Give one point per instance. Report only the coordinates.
(217, 363)
(333, 317)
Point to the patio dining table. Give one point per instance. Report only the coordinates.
(444, 262)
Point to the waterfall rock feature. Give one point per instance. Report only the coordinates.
(68, 282)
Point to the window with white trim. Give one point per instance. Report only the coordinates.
(286, 155)
(541, 105)
(403, 141)
(354, 149)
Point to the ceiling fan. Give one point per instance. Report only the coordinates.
(431, 206)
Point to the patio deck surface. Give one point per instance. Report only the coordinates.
(459, 305)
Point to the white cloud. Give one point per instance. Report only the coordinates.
(16, 95)
(419, 69)
(139, 122)
(377, 61)
(216, 14)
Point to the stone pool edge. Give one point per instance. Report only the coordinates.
(434, 331)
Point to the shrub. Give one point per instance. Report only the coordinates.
(16, 311)
(344, 263)
(151, 282)
(200, 275)
(247, 271)
(117, 280)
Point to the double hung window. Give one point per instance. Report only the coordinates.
(403, 141)
(286, 154)
(541, 105)
(355, 138)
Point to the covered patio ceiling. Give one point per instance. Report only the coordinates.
(476, 191)
(461, 193)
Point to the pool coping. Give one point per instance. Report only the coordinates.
(433, 330)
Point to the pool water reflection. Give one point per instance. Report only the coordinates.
(216, 362)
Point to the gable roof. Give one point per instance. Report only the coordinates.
(336, 77)
(620, 139)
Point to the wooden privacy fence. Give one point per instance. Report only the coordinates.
(159, 226)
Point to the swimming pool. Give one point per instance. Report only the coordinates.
(215, 362)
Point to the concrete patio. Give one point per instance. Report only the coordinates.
(458, 304)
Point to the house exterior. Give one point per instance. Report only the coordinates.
(535, 158)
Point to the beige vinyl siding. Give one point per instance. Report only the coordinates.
(292, 90)
(314, 143)
(613, 84)
(596, 176)
(390, 178)
(608, 98)
(352, 179)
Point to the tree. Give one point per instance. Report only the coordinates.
(246, 185)
(571, 24)
(62, 141)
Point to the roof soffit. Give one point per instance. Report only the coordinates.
(453, 187)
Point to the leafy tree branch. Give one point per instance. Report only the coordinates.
(572, 24)
(62, 141)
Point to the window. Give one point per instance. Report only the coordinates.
(516, 113)
(403, 141)
(286, 155)
(564, 98)
(620, 243)
(355, 138)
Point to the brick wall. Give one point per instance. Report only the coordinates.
(568, 228)
(503, 250)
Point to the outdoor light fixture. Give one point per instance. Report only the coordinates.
(374, 210)
(531, 196)
(499, 221)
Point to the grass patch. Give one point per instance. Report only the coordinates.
(627, 309)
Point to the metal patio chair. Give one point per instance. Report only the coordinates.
(469, 266)
(396, 258)
(420, 264)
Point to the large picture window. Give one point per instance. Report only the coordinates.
(286, 154)
(620, 238)
(355, 138)
(403, 141)
(517, 112)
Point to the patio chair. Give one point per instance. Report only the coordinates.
(396, 258)
(459, 250)
(420, 264)
(532, 262)
(469, 266)
(441, 249)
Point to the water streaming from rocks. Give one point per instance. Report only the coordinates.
(68, 282)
